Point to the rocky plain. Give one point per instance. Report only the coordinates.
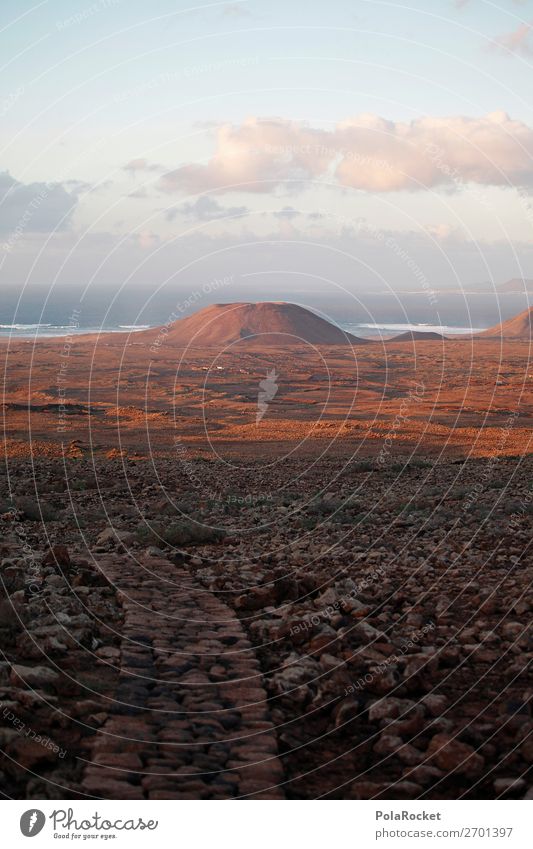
(331, 599)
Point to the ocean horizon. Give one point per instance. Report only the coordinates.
(368, 329)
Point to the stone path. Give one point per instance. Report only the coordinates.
(189, 719)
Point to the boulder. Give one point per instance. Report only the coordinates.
(451, 755)
(36, 677)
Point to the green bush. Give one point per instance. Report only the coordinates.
(5, 505)
(364, 466)
(36, 511)
(178, 534)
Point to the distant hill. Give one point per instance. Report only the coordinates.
(517, 284)
(514, 328)
(265, 324)
(414, 335)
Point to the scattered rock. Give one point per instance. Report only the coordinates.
(450, 755)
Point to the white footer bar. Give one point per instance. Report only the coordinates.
(269, 825)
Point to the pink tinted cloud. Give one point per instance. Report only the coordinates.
(364, 152)
(517, 41)
(136, 166)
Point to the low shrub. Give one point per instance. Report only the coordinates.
(36, 511)
(178, 534)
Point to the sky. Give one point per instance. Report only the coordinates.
(171, 144)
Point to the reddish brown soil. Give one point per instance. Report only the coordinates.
(458, 397)
(213, 604)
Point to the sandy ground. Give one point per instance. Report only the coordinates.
(460, 397)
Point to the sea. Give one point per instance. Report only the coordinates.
(47, 331)
(369, 314)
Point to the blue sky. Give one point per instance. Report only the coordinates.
(423, 57)
(120, 106)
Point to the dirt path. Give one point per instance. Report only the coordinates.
(190, 718)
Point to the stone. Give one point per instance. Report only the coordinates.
(451, 755)
(526, 750)
(388, 708)
(410, 755)
(366, 789)
(506, 786)
(115, 536)
(424, 774)
(388, 744)
(30, 752)
(57, 555)
(435, 704)
(36, 677)
(405, 790)
(326, 599)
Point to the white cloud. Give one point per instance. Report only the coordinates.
(206, 209)
(139, 194)
(140, 165)
(443, 232)
(146, 240)
(365, 152)
(288, 212)
(235, 10)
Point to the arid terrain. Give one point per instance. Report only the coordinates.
(145, 393)
(255, 568)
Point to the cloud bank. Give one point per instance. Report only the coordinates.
(33, 207)
(366, 152)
